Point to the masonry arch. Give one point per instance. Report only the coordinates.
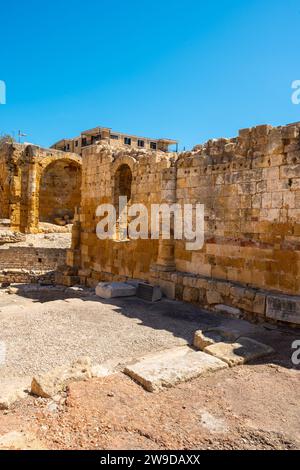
(122, 186)
(123, 182)
(59, 191)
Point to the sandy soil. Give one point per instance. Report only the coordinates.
(248, 407)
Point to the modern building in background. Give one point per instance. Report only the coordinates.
(97, 134)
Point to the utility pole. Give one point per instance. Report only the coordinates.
(21, 134)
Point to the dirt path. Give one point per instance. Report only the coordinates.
(248, 407)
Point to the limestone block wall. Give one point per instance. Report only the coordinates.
(100, 185)
(31, 258)
(250, 187)
(28, 264)
(37, 183)
(60, 191)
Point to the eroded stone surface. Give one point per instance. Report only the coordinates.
(12, 390)
(49, 384)
(170, 367)
(109, 290)
(228, 333)
(16, 440)
(205, 338)
(240, 352)
(284, 308)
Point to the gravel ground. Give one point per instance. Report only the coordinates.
(40, 333)
(50, 240)
(255, 406)
(43, 327)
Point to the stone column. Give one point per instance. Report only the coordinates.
(32, 200)
(15, 201)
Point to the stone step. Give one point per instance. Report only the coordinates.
(240, 352)
(171, 367)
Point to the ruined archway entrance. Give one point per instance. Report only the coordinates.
(59, 191)
(122, 187)
(123, 181)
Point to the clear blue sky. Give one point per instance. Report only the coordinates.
(190, 70)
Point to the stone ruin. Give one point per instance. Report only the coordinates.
(249, 265)
(38, 185)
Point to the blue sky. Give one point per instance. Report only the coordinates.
(189, 70)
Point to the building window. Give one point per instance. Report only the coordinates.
(153, 145)
(68, 146)
(76, 143)
(127, 141)
(141, 143)
(114, 137)
(83, 142)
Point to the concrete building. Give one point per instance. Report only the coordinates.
(115, 139)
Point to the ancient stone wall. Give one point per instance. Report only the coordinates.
(27, 264)
(102, 184)
(59, 191)
(37, 184)
(250, 187)
(5, 181)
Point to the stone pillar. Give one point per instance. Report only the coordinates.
(33, 200)
(73, 254)
(166, 248)
(15, 201)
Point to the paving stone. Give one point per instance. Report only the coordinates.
(12, 390)
(109, 290)
(20, 440)
(173, 366)
(204, 338)
(240, 352)
(228, 332)
(56, 380)
(234, 312)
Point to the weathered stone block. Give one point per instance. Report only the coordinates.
(213, 297)
(232, 311)
(12, 390)
(240, 352)
(170, 367)
(205, 338)
(109, 290)
(147, 292)
(284, 308)
(49, 384)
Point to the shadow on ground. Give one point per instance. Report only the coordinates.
(179, 318)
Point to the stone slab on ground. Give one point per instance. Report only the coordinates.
(12, 390)
(232, 311)
(222, 334)
(18, 440)
(170, 367)
(240, 352)
(204, 338)
(109, 290)
(50, 384)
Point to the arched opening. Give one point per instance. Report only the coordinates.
(123, 181)
(122, 187)
(60, 192)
